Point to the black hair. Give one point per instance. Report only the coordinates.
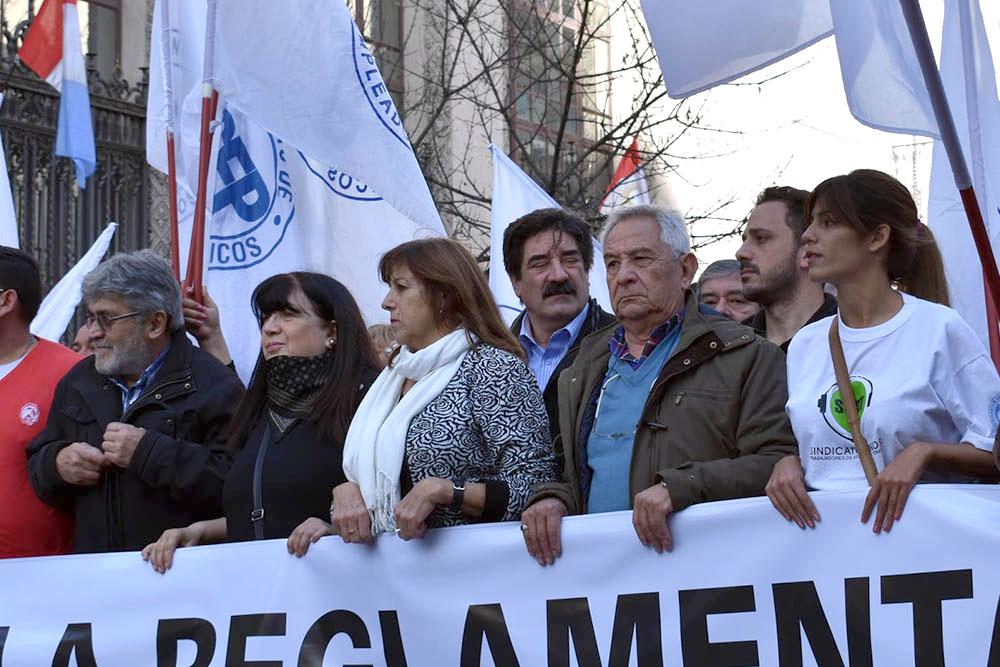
(544, 219)
(795, 205)
(19, 272)
(352, 363)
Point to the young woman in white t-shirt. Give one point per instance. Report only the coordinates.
(927, 392)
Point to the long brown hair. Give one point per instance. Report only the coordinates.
(865, 199)
(455, 289)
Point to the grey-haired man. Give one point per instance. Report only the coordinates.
(135, 441)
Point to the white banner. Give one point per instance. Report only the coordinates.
(274, 210)
(742, 587)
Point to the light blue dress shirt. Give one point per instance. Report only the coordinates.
(543, 360)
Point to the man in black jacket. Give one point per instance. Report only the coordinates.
(135, 441)
(548, 254)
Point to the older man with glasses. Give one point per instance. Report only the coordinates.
(135, 442)
(674, 406)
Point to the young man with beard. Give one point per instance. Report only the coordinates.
(772, 271)
(548, 254)
(135, 440)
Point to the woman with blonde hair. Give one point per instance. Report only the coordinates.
(923, 391)
(454, 429)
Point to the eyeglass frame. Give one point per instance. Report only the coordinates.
(105, 322)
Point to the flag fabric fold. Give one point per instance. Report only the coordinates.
(514, 195)
(628, 184)
(60, 303)
(970, 84)
(52, 50)
(317, 86)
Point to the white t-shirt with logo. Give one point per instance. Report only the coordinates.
(921, 376)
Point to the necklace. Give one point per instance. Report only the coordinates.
(23, 351)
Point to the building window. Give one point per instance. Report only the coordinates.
(544, 36)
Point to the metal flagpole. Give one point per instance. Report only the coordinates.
(209, 101)
(953, 148)
(168, 84)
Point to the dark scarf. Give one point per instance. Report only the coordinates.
(294, 382)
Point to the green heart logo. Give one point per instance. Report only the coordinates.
(837, 404)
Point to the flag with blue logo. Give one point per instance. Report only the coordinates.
(52, 50)
(274, 210)
(314, 82)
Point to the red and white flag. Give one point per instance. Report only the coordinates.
(53, 51)
(628, 184)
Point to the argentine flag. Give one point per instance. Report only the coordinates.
(52, 50)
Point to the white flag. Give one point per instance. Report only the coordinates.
(60, 303)
(885, 89)
(970, 83)
(704, 44)
(303, 71)
(514, 195)
(274, 211)
(8, 217)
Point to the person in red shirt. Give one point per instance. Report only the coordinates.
(30, 368)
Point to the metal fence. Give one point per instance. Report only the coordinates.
(57, 221)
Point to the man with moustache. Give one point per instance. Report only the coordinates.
(135, 440)
(675, 405)
(548, 254)
(772, 271)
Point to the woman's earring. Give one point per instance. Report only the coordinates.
(330, 342)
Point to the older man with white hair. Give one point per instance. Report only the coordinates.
(672, 406)
(135, 440)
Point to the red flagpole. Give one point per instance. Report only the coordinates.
(196, 254)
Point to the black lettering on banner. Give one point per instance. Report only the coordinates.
(77, 640)
(571, 616)
(3, 641)
(328, 626)
(695, 607)
(392, 639)
(992, 661)
(797, 605)
(858, 608)
(170, 631)
(926, 591)
(638, 613)
(486, 620)
(252, 625)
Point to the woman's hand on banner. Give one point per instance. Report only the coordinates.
(787, 491)
(349, 514)
(892, 487)
(306, 533)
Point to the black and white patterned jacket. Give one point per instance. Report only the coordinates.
(487, 425)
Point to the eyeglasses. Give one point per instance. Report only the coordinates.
(104, 322)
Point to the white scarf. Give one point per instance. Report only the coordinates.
(376, 439)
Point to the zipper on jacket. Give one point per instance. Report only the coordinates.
(678, 398)
(257, 514)
(141, 402)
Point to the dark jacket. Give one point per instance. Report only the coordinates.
(712, 428)
(758, 322)
(176, 474)
(298, 470)
(596, 319)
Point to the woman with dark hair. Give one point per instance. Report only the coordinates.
(315, 364)
(454, 429)
(923, 386)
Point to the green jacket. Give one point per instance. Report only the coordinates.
(712, 428)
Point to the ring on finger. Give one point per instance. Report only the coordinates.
(524, 527)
